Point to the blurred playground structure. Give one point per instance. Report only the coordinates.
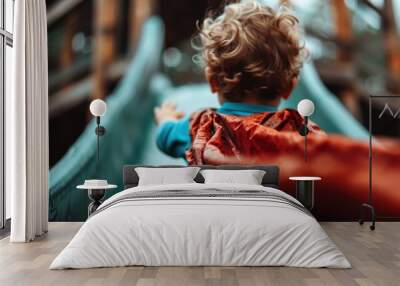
(136, 54)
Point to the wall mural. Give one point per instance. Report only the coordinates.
(385, 115)
(179, 95)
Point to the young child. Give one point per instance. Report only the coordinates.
(252, 57)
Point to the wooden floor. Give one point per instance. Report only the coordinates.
(375, 257)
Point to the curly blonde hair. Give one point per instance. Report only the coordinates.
(252, 51)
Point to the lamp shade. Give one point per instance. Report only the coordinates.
(306, 107)
(98, 107)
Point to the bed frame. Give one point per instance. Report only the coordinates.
(271, 177)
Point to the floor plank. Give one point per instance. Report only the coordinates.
(375, 257)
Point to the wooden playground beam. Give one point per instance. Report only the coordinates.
(344, 33)
(69, 74)
(392, 47)
(59, 9)
(139, 11)
(345, 44)
(105, 49)
(67, 56)
(68, 97)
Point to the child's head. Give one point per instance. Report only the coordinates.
(251, 52)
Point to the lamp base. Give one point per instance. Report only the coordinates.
(96, 196)
(373, 216)
(305, 193)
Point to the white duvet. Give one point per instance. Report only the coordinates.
(200, 231)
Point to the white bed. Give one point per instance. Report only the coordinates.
(269, 228)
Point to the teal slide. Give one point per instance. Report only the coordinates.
(130, 137)
(127, 121)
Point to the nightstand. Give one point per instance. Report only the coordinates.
(96, 191)
(305, 190)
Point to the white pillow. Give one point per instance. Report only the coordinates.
(164, 176)
(248, 177)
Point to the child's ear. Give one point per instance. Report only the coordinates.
(289, 92)
(211, 81)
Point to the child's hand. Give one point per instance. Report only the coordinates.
(166, 112)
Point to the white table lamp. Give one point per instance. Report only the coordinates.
(306, 108)
(98, 108)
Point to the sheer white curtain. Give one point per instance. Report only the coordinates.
(27, 124)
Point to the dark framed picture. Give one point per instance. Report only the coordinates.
(384, 122)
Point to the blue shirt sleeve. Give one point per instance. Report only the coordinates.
(173, 137)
